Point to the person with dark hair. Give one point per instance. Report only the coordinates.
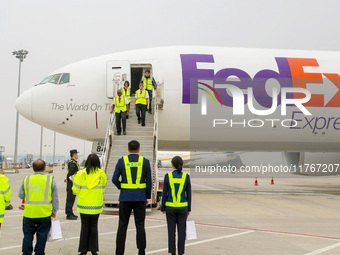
(73, 168)
(142, 103)
(89, 183)
(41, 202)
(149, 84)
(135, 188)
(176, 202)
(126, 93)
(121, 107)
(5, 196)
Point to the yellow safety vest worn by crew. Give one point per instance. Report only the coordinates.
(90, 189)
(147, 82)
(141, 98)
(5, 196)
(126, 93)
(119, 106)
(176, 199)
(129, 182)
(38, 196)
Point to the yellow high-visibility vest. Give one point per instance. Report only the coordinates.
(126, 94)
(141, 98)
(90, 189)
(176, 200)
(5, 196)
(38, 196)
(119, 106)
(147, 82)
(128, 165)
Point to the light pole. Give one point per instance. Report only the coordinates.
(21, 55)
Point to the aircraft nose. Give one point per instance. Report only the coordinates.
(23, 104)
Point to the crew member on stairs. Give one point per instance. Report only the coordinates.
(121, 107)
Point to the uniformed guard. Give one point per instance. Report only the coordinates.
(121, 107)
(89, 184)
(141, 104)
(176, 202)
(41, 202)
(73, 168)
(5, 196)
(149, 84)
(135, 189)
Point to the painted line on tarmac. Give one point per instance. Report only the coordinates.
(204, 241)
(322, 250)
(258, 230)
(77, 237)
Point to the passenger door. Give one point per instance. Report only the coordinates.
(117, 72)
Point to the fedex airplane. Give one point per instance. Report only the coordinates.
(213, 99)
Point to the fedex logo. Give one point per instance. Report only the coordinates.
(291, 76)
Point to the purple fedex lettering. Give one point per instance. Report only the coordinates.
(191, 75)
(226, 76)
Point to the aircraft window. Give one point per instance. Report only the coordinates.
(46, 79)
(65, 78)
(55, 78)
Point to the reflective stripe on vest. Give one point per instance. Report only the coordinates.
(128, 165)
(4, 192)
(147, 82)
(177, 199)
(141, 98)
(85, 187)
(38, 196)
(126, 94)
(120, 106)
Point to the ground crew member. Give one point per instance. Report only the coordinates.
(5, 196)
(41, 202)
(176, 202)
(73, 168)
(142, 102)
(89, 184)
(149, 84)
(121, 107)
(127, 93)
(135, 189)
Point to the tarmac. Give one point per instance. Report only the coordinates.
(295, 215)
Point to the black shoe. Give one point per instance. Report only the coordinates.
(72, 217)
(124, 133)
(94, 253)
(138, 121)
(143, 125)
(118, 133)
(9, 207)
(75, 216)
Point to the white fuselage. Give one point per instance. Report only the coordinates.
(80, 108)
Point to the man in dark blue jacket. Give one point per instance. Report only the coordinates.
(135, 186)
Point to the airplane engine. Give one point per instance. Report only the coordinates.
(312, 163)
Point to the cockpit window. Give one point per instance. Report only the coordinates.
(55, 78)
(46, 79)
(65, 78)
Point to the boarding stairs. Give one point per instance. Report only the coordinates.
(116, 146)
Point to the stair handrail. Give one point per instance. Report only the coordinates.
(155, 138)
(108, 141)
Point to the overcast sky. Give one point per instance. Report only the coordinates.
(57, 33)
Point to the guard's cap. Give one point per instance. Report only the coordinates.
(73, 152)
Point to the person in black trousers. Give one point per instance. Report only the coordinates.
(176, 209)
(134, 193)
(73, 168)
(142, 103)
